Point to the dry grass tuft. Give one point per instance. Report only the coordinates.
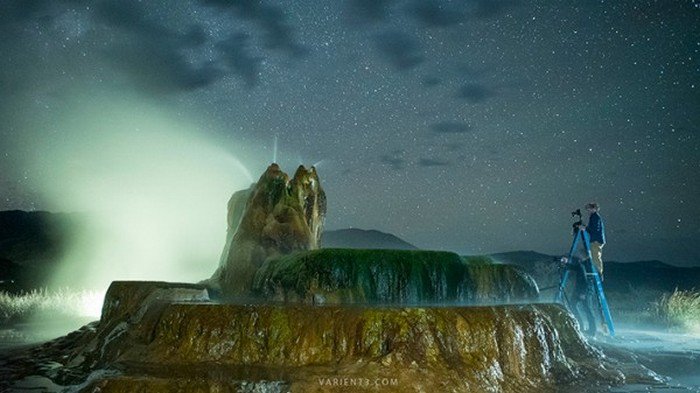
(61, 303)
(680, 309)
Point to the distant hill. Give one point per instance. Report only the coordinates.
(522, 257)
(654, 275)
(29, 238)
(619, 276)
(360, 238)
(31, 242)
(30, 245)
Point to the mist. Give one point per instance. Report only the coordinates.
(154, 190)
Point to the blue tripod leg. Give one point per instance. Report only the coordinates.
(559, 296)
(562, 285)
(603, 302)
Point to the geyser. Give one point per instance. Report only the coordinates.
(161, 337)
(274, 229)
(280, 215)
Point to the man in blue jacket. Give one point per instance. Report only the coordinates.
(596, 231)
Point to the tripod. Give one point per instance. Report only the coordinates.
(560, 296)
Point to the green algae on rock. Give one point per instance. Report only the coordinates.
(345, 276)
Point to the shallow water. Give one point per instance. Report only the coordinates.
(34, 332)
(673, 355)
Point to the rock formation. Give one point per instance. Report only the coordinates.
(281, 215)
(391, 277)
(160, 337)
(163, 337)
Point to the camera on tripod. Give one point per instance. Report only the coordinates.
(587, 272)
(577, 224)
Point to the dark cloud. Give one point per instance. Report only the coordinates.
(161, 70)
(451, 127)
(151, 54)
(18, 11)
(399, 49)
(279, 35)
(394, 159)
(470, 72)
(196, 36)
(430, 162)
(431, 81)
(454, 146)
(127, 36)
(435, 14)
(475, 92)
(485, 9)
(237, 56)
(24, 65)
(431, 13)
(129, 17)
(366, 11)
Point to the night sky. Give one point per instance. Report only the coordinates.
(474, 126)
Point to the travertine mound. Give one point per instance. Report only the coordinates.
(398, 277)
(129, 300)
(186, 344)
(281, 215)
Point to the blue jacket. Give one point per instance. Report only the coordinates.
(596, 228)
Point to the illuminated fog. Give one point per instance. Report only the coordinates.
(154, 189)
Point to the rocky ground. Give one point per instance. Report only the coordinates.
(675, 357)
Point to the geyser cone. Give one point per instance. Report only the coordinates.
(281, 215)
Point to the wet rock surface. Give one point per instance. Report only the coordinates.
(280, 216)
(305, 320)
(344, 276)
(130, 300)
(187, 345)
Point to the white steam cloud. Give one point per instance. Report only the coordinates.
(154, 189)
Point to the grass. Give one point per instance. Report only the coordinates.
(676, 311)
(62, 303)
(679, 310)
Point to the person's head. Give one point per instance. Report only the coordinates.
(592, 207)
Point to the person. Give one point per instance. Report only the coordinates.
(581, 296)
(596, 232)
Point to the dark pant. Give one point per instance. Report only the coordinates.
(582, 300)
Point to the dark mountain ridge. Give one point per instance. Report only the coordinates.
(360, 238)
(31, 243)
(619, 276)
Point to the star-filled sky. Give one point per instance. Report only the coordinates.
(474, 126)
